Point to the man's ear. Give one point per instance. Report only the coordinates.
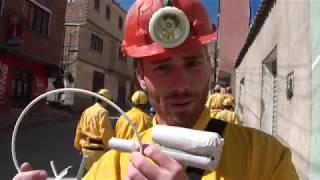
(140, 77)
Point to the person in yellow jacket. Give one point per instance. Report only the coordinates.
(215, 101)
(227, 95)
(227, 114)
(174, 70)
(94, 130)
(140, 119)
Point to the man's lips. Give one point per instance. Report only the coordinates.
(179, 101)
(180, 105)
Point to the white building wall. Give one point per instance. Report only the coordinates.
(286, 29)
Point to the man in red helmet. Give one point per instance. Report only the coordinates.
(169, 38)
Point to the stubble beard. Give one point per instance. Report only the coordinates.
(183, 119)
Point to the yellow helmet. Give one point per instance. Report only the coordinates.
(105, 93)
(139, 97)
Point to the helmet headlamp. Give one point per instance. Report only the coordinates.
(169, 27)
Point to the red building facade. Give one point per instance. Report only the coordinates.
(233, 29)
(31, 49)
(21, 80)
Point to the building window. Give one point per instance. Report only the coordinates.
(38, 18)
(108, 12)
(98, 81)
(1, 6)
(120, 23)
(96, 43)
(241, 98)
(21, 88)
(121, 56)
(97, 5)
(121, 101)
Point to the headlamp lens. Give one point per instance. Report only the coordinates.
(169, 27)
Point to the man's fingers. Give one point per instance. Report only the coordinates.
(133, 173)
(163, 160)
(167, 168)
(28, 174)
(26, 167)
(144, 165)
(31, 175)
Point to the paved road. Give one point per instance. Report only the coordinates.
(39, 145)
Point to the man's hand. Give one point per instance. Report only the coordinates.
(29, 174)
(140, 168)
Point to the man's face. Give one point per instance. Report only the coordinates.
(177, 85)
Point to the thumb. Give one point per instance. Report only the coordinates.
(26, 166)
(31, 175)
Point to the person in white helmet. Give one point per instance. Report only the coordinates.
(175, 73)
(140, 119)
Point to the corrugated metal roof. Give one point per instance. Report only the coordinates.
(261, 16)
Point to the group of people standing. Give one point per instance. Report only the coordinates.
(222, 104)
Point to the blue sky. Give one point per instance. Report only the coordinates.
(211, 6)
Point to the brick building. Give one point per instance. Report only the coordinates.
(31, 48)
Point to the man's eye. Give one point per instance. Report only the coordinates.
(193, 63)
(162, 67)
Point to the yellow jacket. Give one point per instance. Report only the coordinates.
(214, 112)
(215, 104)
(229, 96)
(94, 124)
(228, 116)
(247, 154)
(140, 119)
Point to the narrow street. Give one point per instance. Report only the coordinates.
(39, 145)
(256, 61)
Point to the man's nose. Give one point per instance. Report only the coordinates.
(180, 80)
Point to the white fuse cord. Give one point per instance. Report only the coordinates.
(74, 90)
